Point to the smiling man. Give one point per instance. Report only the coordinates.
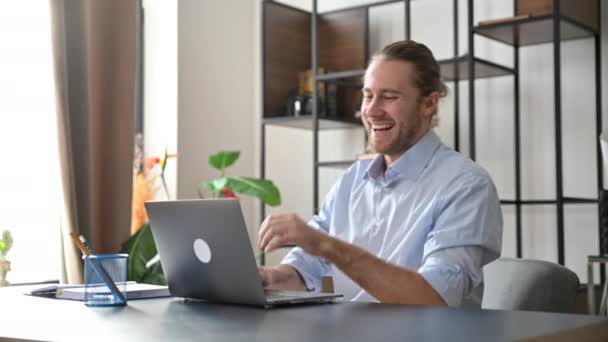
(416, 224)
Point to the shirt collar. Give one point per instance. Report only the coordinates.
(409, 165)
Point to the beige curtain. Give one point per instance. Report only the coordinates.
(95, 46)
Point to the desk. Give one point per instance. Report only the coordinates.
(171, 319)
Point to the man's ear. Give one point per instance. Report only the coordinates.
(430, 104)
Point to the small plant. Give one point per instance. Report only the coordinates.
(226, 186)
(6, 242)
(144, 265)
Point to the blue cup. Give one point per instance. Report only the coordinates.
(105, 280)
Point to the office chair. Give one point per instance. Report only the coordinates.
(526, 284)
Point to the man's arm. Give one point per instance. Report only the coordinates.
(387, 283)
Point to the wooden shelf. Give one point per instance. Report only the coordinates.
(567, 200)
(483, 69)
(340, 75)
(338, 164)
(305, 122)
(534, 30)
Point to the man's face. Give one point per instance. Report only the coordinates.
(393, 111)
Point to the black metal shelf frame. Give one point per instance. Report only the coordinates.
(549, 29)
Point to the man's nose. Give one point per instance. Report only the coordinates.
(374, 107)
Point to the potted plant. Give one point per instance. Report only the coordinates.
(144, 265)
(6, 242)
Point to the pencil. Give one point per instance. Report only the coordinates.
(79, 244)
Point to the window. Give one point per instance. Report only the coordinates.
(30, 188)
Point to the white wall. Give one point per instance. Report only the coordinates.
(215, 92)
(289, 164)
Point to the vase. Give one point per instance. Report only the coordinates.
(5, 266)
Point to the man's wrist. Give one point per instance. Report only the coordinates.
(286, 276)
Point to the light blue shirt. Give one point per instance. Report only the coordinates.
(433, 211)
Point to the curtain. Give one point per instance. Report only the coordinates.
(95, 49)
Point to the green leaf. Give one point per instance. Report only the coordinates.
(154, 275)
(223, 159)
(215, 184)
(263, 189)
(2, 245)
(141, 248)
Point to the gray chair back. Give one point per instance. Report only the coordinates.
(526, 284)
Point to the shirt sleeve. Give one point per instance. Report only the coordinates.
(467, 234)
(313, 268)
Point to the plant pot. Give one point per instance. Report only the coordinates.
(5, 266)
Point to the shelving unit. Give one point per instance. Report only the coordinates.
(573, 22)
(294, 40)
(290, 44)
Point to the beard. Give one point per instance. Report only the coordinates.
(401, 137)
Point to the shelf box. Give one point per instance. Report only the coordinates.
(287, 51)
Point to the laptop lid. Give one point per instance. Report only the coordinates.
(205, 250)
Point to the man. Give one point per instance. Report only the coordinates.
(416, 224)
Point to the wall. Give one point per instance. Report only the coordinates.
(289, 148)
(215, 91)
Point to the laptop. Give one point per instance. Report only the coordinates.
(206, 254)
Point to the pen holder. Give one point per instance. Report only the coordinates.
(105, 280)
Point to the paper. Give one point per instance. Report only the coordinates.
(604, 148)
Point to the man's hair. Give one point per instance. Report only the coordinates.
(428, 78)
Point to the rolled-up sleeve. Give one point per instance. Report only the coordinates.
(467, 234)
(313, 268)
(454, 273)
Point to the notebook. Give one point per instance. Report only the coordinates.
(76, 292)
(206, 254)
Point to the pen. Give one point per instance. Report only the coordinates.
(100, 271)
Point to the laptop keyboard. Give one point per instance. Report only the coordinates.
(281, 294)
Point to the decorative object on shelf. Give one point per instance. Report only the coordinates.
(143, 261)
(6, 242)
(305, 82)
(299, 101)
(227, 186)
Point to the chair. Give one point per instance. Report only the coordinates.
(525, 284)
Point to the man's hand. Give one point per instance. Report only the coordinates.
(265, 275)
(288, 229)
(282, 277)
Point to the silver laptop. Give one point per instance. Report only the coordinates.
(206, 254)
